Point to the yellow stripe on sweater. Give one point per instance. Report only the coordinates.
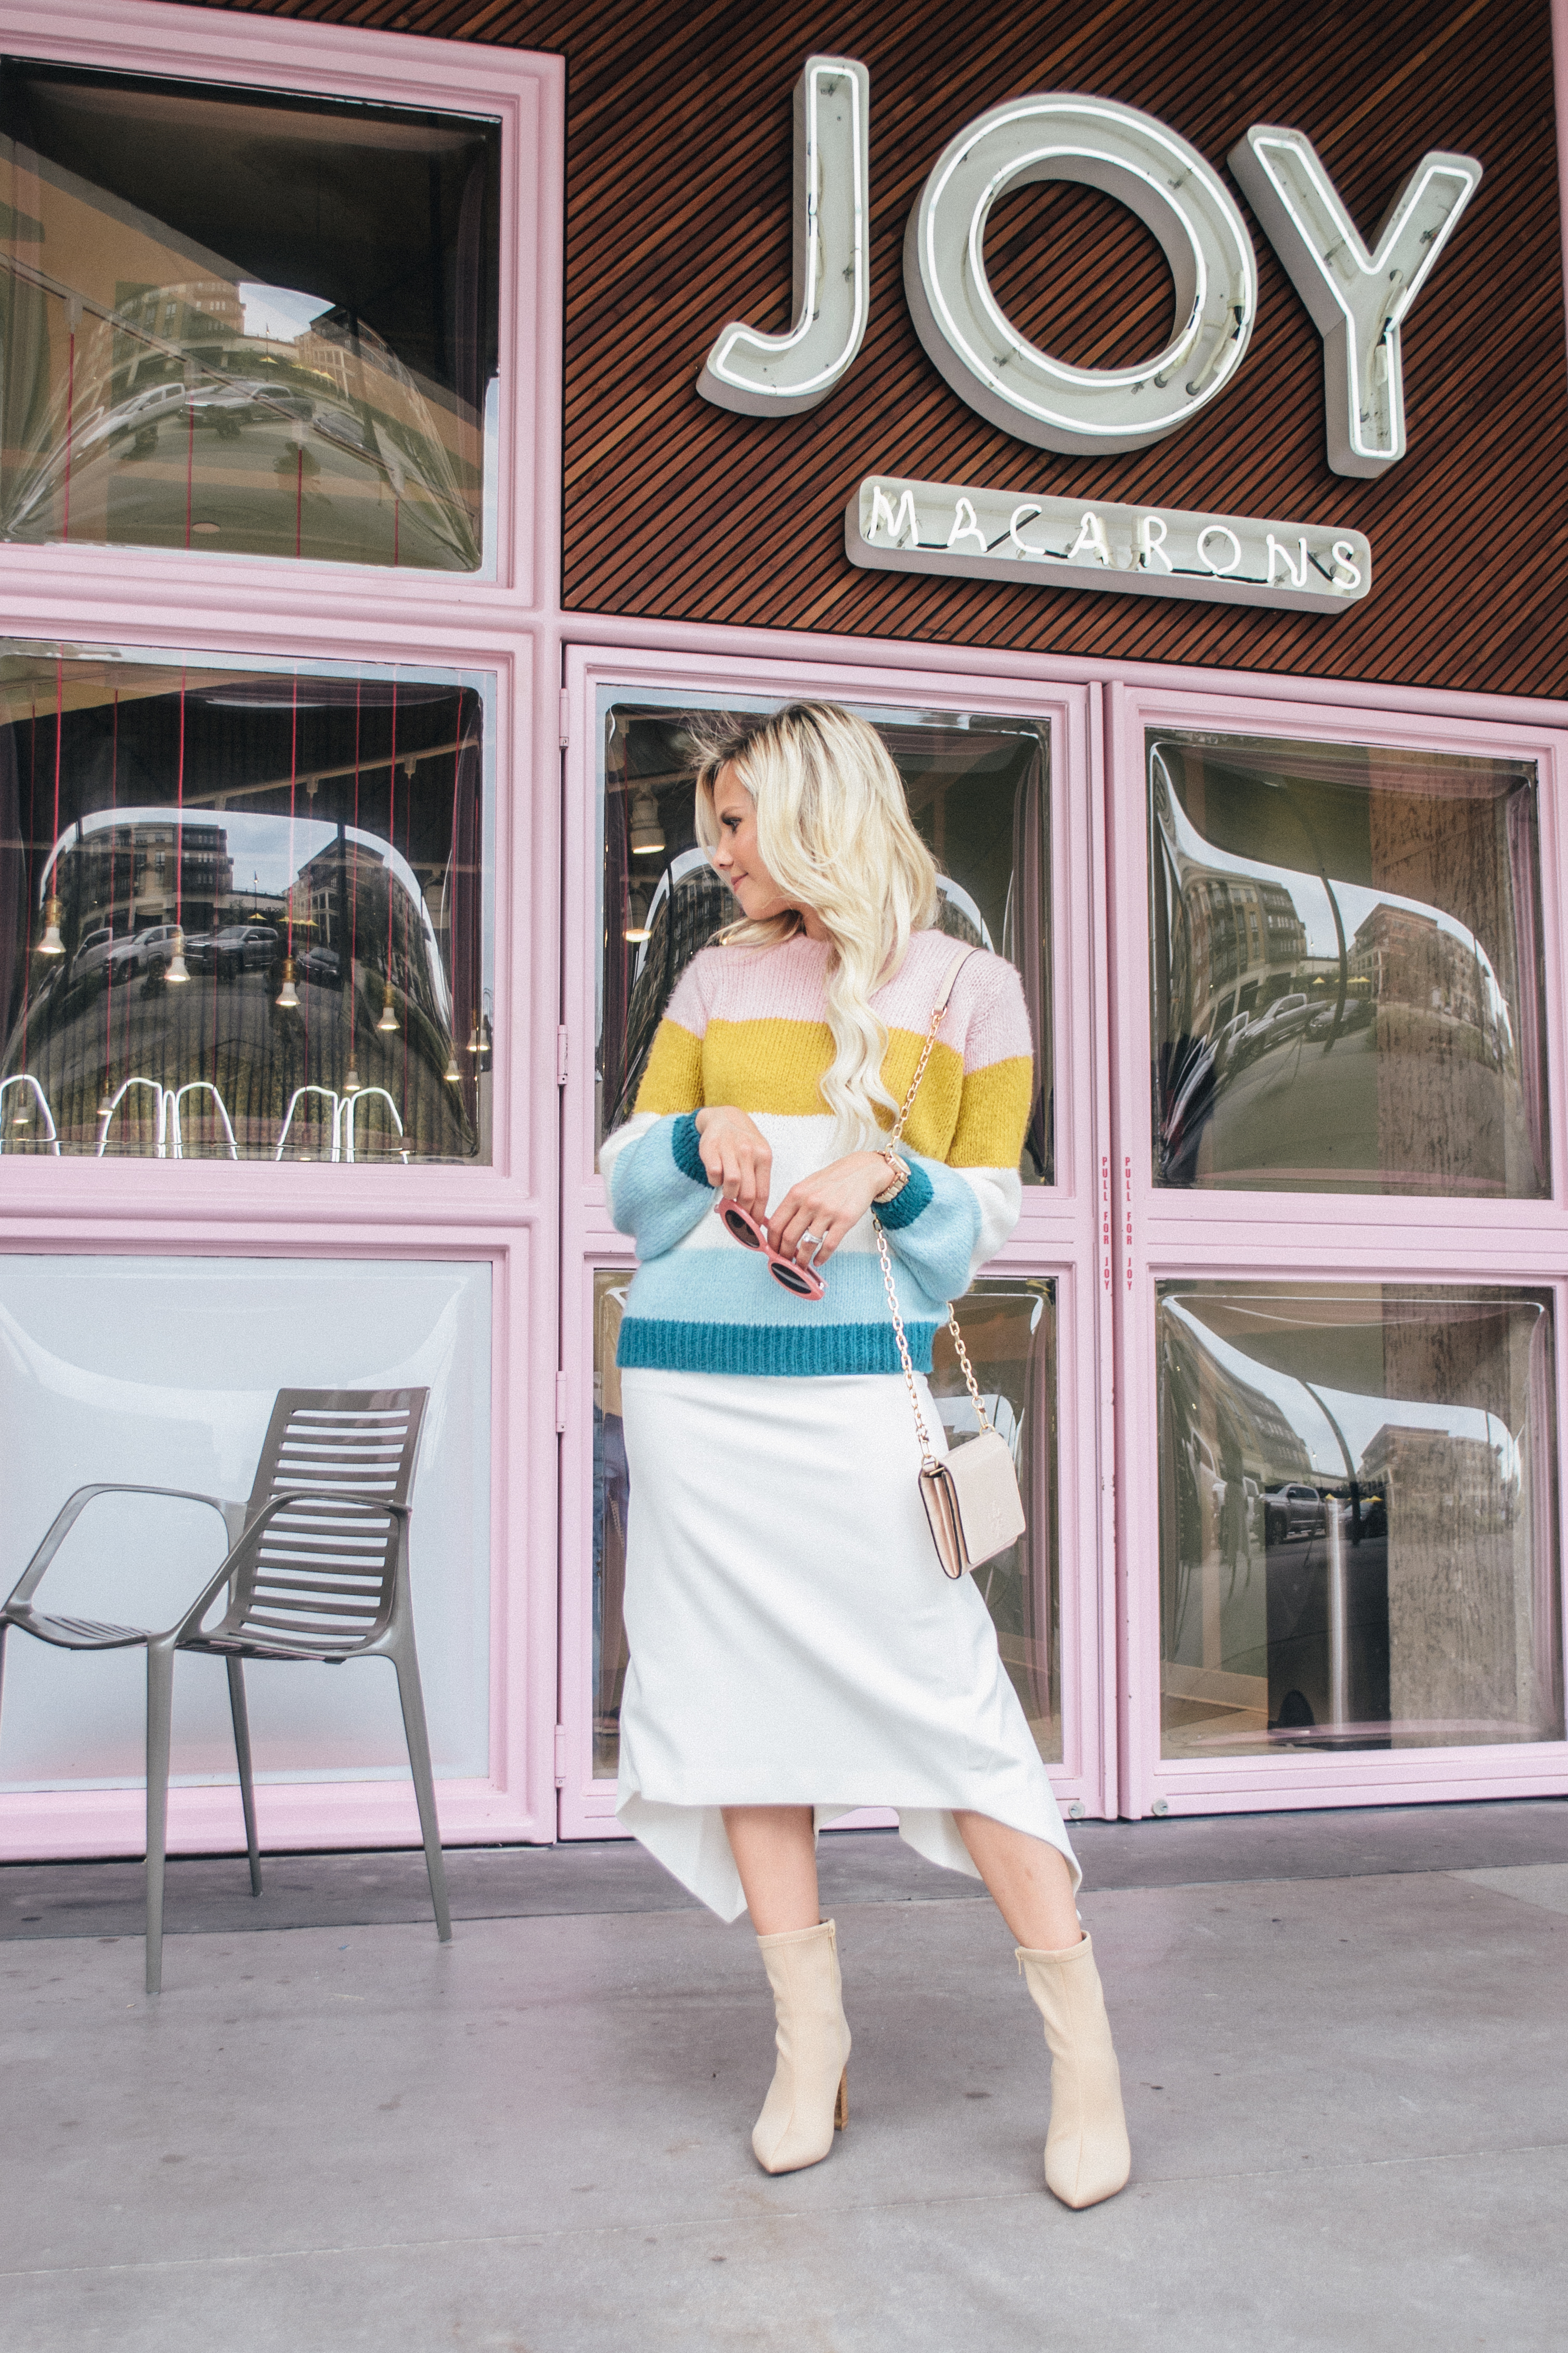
(673, 1079)
(993, 1117)
(777, 1067)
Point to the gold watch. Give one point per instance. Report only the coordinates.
(899, 1179)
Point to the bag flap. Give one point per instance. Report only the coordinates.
(986, 1490)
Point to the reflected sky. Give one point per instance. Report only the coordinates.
(1307, 1406)
(1357, 900)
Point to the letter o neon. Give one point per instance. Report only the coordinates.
(1173, 192)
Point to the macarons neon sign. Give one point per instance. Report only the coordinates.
(1357, 296)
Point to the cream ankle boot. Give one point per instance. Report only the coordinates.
(1086, 2155)
(809, 2092)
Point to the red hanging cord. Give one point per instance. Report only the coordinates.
(353, 879)
(59, 722)
(191, 458)
(180, 815)
(298, 497)
(407, 950)
(109, 960)
(391, 828)
(293, 761)
(32, 852)
(452, 900)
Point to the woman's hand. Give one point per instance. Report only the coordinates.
(737, 1155)
(826, 1205)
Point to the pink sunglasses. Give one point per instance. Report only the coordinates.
(803, 1281)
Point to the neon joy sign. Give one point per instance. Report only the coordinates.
(1358, 299)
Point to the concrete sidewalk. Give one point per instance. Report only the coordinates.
(1346, 2095)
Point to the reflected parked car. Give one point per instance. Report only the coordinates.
(94, 950)
(1285, 1018)
(1227, 1045)
(201, 951)
(145, 951)
(322, 964)
(245, 947)
(1292, 1511)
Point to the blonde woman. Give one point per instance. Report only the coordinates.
(795, 1648)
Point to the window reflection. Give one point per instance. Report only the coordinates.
(1357, 1517)
(242, 912)
(1010, 1331)
(1347, 969)
(243, 321)
(978, 793)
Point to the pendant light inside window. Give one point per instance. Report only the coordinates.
(51, 945)
(174, 970)
(288, 995)
(388, 1017)
(351, 1084)
(452, 1073)
(646, 833)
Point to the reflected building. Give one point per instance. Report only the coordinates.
(1407, 957)
(137, 407)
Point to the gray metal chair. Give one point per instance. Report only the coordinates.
(317, 1569)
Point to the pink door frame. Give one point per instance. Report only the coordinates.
(1058, 1235)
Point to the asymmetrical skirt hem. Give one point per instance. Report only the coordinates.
(694, 1846)
(792, 1637)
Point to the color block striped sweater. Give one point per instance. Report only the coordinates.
(748, 1028)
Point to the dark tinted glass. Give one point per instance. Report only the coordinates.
(978, 792)
(1347, 970)
(244, 321)
(242, 911)
(1357, 1517)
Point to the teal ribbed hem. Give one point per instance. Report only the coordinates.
(686, 1150)
(905, 1206)
(648, 1344)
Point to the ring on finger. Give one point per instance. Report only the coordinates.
(817, 1243)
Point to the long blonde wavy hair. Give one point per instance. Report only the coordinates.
(833, 829)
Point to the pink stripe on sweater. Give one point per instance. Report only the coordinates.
(986, 1021)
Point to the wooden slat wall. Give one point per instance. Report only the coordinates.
(679, 204)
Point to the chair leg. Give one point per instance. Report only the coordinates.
(160, 1712)
(237, 1709)
(407, 1662)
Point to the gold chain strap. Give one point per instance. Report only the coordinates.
(927, 1459)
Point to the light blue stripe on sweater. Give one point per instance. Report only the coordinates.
(652, 1195)
(733, 1285)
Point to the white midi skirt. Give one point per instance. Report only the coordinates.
(793, 1639)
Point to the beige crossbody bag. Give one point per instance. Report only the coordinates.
(970, 1494)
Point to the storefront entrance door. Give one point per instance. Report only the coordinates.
(997, 778)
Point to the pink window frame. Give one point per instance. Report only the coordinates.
(505, 1214)
(1164, 1232)
(1058, 1235)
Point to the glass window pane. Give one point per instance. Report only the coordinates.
(162, 1371)
(1357, 1517)
(244, 321)
(1009, 1329)
(244, 911)
(1347, 970)
(978, 791)
(612, 1500)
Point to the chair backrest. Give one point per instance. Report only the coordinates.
(320, 1579)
